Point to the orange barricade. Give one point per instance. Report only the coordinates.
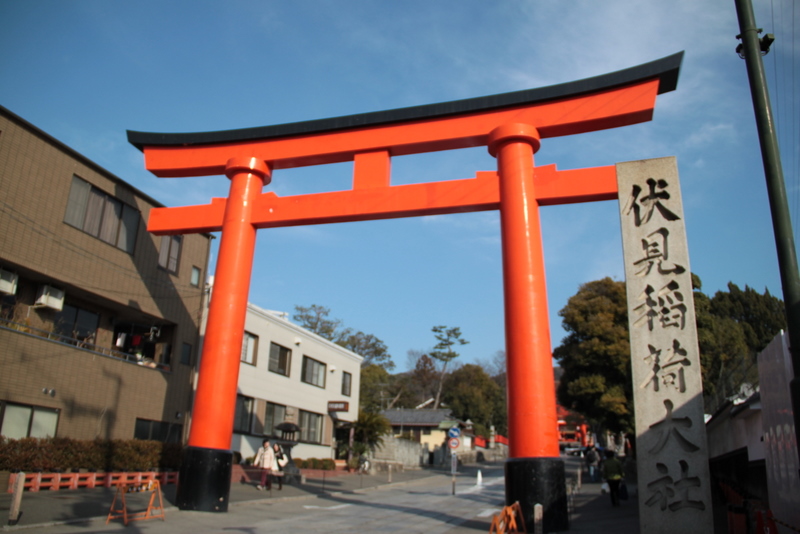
(154, 509)
(508, 520)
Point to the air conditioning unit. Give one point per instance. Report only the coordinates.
(50, 297)
(8, 282)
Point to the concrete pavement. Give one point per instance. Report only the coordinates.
(414, 501)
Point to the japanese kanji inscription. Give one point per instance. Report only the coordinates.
(672, 452)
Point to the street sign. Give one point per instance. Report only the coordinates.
(453, 465)
(454, 432)
(453, 443)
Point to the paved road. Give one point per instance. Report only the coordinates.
(415, 501)
(424, 505)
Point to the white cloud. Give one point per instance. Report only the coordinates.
(710, 133)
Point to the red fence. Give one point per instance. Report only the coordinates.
(480, 441)
(57, 481)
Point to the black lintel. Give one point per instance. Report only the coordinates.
(665, 69)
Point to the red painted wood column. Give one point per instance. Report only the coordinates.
(208, 454)
(532, 420)
(534, 471)
(215, 403)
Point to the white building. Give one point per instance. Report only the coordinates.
(291, 375)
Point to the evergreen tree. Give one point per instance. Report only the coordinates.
(376, 385)
(315, 319)
(595, 356)
(760, 316)
(444, 353)
(472, 394)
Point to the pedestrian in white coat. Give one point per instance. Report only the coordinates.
(265, 458)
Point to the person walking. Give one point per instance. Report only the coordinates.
(593, 463)
(613, 474)
(279, 460)
(265, 458)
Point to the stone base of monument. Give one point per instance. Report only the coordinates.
(532, 481)
(204, 483)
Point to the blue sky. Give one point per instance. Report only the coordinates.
(86, 71)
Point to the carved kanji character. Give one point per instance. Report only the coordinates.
(656, 253)
(667, 369)
(644, 207)
(666, 305)
(670, 427)
(665, 488)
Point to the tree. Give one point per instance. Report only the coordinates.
(444, 353)
(370, 347)
(315, 319)
(760, 316)
(375, 385)
(472, 394)
(595, 356)
(733, 327)
(422, 381)
(723, 347)
(369, 429)
(495, 365)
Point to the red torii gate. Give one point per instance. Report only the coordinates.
(511, 125)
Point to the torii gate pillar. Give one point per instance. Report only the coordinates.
(534, 472)
(205, 480)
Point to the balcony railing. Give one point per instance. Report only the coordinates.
(84, 344)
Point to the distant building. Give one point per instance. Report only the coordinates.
(426, 427)
(289, 376)
(99, 319)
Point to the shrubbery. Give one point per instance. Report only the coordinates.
(65, 454)
(326, 464)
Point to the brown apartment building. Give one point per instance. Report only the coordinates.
(100, 319)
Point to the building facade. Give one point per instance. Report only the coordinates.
(429, 428)
(100, 319)
(295, 387)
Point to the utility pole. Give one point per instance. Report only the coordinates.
(751, 49)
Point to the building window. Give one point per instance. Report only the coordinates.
(76, 323)
(249, 348)
(347, 383)
(157, 431)
(244, 414)
(8, 304)
(313, 372)
(102, 215)
(276, 414)
(279, 359)
(196, 272)
(186, 354)
(310, 427)
(21, 421)
(170, 252)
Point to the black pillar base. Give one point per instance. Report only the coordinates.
(204, 482)
(532, 481)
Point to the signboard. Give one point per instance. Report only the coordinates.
(453, 466)
(338, 406)
(671, 446)
(453, 443)
(454, 432)
(775, 369)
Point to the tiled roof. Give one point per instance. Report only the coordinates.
(418, 417)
